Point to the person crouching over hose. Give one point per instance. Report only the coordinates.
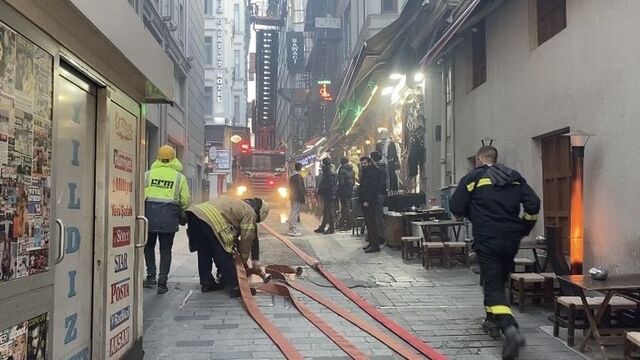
(217, 229)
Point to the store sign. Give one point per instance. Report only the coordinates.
(325, 92)
(219, 87)
(219, 44)
(307, 160)
(223, 160)
(295, 51)
(328, 23)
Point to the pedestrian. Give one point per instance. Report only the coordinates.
(368, 191)
(214, 228)
(382, 193)
(327, 190)
(166, 195)
(297, 193)
(346, 182)
(491, 197)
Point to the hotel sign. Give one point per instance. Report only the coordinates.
(295, 51)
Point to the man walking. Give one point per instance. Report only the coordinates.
(297, 193)
(382, 193)
(346, 181)
(216, 229)
(166, 195)
(327, 191)
(370, 178)
(491, 197)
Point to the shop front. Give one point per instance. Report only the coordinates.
(71, 172)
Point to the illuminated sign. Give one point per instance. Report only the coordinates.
(325, 92)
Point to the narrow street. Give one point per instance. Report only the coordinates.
(442, 306)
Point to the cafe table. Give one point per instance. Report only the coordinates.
(427, 227)
(618, 283)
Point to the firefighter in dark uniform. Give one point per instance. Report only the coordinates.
(493, 197)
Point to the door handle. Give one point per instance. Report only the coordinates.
(61, 233)
(146, 230)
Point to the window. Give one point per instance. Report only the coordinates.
(237, 64)
(236, 109)
(479, 54)
(208, 7)
(389, 6)
(179, 91)
(208, 101)
(181, 25)
(236, 16)
(208, 49)
(551, 18)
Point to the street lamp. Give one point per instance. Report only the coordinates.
(579, 139)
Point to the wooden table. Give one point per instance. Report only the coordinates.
(614, 284)
(427, 226)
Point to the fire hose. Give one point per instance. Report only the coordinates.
(282, 287)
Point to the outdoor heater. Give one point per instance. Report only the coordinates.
(576, 224)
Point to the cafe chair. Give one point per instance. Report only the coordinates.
(434, 250)
(526, 264)
(456, 250)
(410, 247)
(631, 341)
(523, 286)
(357, 225)
(576, 319)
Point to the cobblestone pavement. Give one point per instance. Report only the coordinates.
(442, 306)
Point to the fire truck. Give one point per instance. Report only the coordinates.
(261, 173)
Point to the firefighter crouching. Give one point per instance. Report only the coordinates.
(491, 197)
(166, 195)
(217, 229)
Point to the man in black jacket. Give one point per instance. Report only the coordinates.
(297, 192)
(491, 196)
(368, 191)
(346, 181)
(327, 191)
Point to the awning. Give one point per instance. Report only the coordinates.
(448, 34)
(377, 54)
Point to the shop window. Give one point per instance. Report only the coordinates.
(479, 54)
(551, 18)
(389, 6)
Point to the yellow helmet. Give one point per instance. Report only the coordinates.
(166, 152)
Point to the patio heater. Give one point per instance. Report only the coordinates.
(576, 224)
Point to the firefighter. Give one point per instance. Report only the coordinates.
(166, 196)
(217, 229)
(491, 196)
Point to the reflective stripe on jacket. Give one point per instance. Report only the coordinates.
(229, 218)
(166, 195)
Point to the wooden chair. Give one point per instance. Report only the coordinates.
(433, 250)
(358, 223)
(631, 341)
(527, 263)
(575, 312)
(456, 250)
(525, 286)
(410, 247)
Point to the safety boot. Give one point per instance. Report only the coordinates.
(162, 288)
(491, 327)
(513, 341)
(149, 282)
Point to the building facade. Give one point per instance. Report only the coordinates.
(226, 46)
(178, 26)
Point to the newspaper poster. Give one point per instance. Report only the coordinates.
(25, 82)
(41, 153)
(7, 121)
(7, 59)
(26, 340)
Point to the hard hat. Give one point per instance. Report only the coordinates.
(166, 152)
(264, 210)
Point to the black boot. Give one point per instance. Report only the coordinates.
(212, 286)
(490, 326)
(150, 282)
(318, 230)
(162, 288)
(235, 292)
(513, 341)
(373, 249)
(366, 247)
(329, 231)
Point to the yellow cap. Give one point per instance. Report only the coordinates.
(166, 152)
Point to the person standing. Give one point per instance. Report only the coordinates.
(217, 230)
(383, 185)
(491, 196)
(346, 182)
(297, 193)
(166, 196)
(370, 177)
(327, 191)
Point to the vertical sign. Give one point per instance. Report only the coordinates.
(295, 51)
(120, 229)
(266, 86)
